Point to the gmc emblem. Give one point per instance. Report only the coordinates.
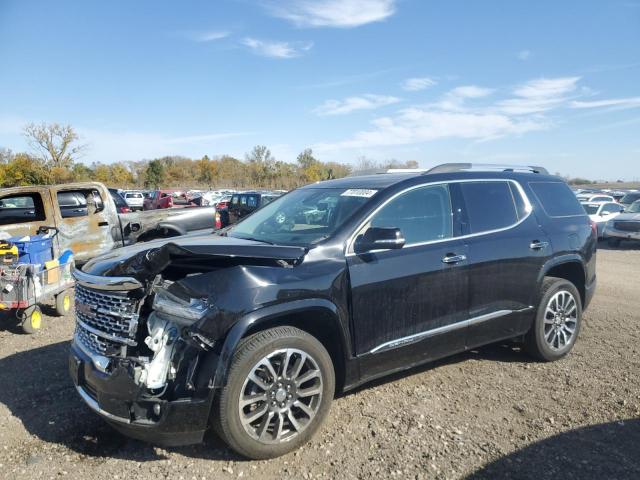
(84, 309)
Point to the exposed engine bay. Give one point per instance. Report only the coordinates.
(173, 310)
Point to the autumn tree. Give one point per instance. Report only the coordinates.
(154, 174)
(55, 144)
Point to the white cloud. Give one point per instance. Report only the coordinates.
(629, 102)
(418, 83)
(417, 125)
(540, 95)
(209, 36)
(524, 54)
(456, 116)
(471, 91)
(333, 13)
(351, 104)
(276, 49)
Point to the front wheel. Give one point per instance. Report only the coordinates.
(557, 322)
(279, 390)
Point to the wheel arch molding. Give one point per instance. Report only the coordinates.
(316, 316)
(569, 267)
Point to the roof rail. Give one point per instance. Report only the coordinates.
(406, 170)
(457, 167)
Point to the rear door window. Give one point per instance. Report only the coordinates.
(557, 199)
(76, 203)
(488, 205)
(21, 208)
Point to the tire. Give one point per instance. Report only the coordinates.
(64, 300)
(32, 320)
(614, 242)
(284, 425)
(558, 320)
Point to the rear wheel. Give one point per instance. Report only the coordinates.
(31, 320)
(63, 303)
(279, 390)
(557, 323)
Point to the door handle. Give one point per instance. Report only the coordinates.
(103, 224)
(450, 259)
(537, 245)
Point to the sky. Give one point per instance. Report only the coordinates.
(551, 83)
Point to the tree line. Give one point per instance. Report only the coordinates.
(55, 155)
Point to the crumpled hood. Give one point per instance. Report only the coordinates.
(145, 260)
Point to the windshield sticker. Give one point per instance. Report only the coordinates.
(359, 192)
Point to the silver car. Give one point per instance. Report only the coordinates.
(134, 199)
(625, 226)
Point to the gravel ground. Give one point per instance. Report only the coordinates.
(490, 413)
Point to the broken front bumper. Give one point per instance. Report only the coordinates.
(115, 396)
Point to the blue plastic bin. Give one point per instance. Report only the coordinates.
(36, 250)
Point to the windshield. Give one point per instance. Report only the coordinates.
(303, 217)
(634, 208)
(629, 198)
(590, 209)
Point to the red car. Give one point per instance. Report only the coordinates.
(158, 199)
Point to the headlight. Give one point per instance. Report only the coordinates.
(169, 304)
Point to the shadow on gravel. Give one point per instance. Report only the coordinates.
(36, 388)
(608, 450)
(505, 352)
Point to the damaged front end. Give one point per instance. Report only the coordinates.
(146, 345)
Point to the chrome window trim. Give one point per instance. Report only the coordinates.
(528, 208)
(398, 342)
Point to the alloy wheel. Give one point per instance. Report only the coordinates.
(280, 396)
(560, 320)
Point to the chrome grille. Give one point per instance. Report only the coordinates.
(627, 226)
(106, 320)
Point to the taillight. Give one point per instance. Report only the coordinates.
(594, 229)
(218, 223)
(170, 202)
(125, 210)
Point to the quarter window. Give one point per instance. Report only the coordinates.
(557, 199)
(489, 205)
(422, 214)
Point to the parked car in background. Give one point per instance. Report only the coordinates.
(241, 205)
(134, 199)
(121, 205)
(157, 199)
(254, 332)
(625, 226)
(601, 212)
(629, 198)
(599, 197)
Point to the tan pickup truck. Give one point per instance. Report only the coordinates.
(86, 218)
(84, 214)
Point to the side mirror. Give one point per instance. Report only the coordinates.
(378, 238)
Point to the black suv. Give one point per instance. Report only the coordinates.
(323, 289)
(244, 203)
